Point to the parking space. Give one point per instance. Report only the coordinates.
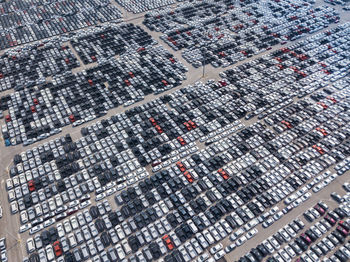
(111, 41)
(145, 5)
(31, 65)
(173, 200)
(252, 165)
(221, 33)
(130, 66)
(23, 22)
(336, 2)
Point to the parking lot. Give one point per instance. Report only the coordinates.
(221, 34)
(142, 68)
(23, 23)
(183, 166)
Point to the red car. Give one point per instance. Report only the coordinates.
(342, 231)
(153, 121)
(223, 174)
(344, 225)
(57, 248)
(35, 101)
(188, 176)
(181, 166)
(8, 118)
(33, 109)
(330, 220)
(169, 244)
(305, 238)
(181, 140)
(302, 57)
(319, 149)
(303, 74)
(287, 124)
(323, 105)
(285, 50)
(222, 54)
(279, 59)
(72, 118)
(320, 210)
(72, 211)
(193, 124)
(294, 68)
(332, 99)
(188, 126)
(159, 129)
(156, 163)
(31, 185)
(90, 82)
(324, 132)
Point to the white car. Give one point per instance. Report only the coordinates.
(14, 207)
(74, 223)
(252, 233)
(278, 215)
(120, 251)
(9, 184)
(49, 222)
(208, 237)
(236, 234)
(11, 195)
(203, 257)
(24, 217)
(219, 254)
(49, 253)
(24, 228)
(72, 240)
(241, 241)
(216, 248)
(30, 245)
(67, 226)
(36, 229)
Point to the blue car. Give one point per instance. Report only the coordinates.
(7, 142)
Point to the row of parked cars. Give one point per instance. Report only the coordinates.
(142, 68)
(96, 44)
(32, 64)
(336, 2)
(76, 253)
(43, 20)
(308, 65)
(10, 7)
(145, 5)
(3, 252)
(301, 241)
(221, 33)
(204, 201)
